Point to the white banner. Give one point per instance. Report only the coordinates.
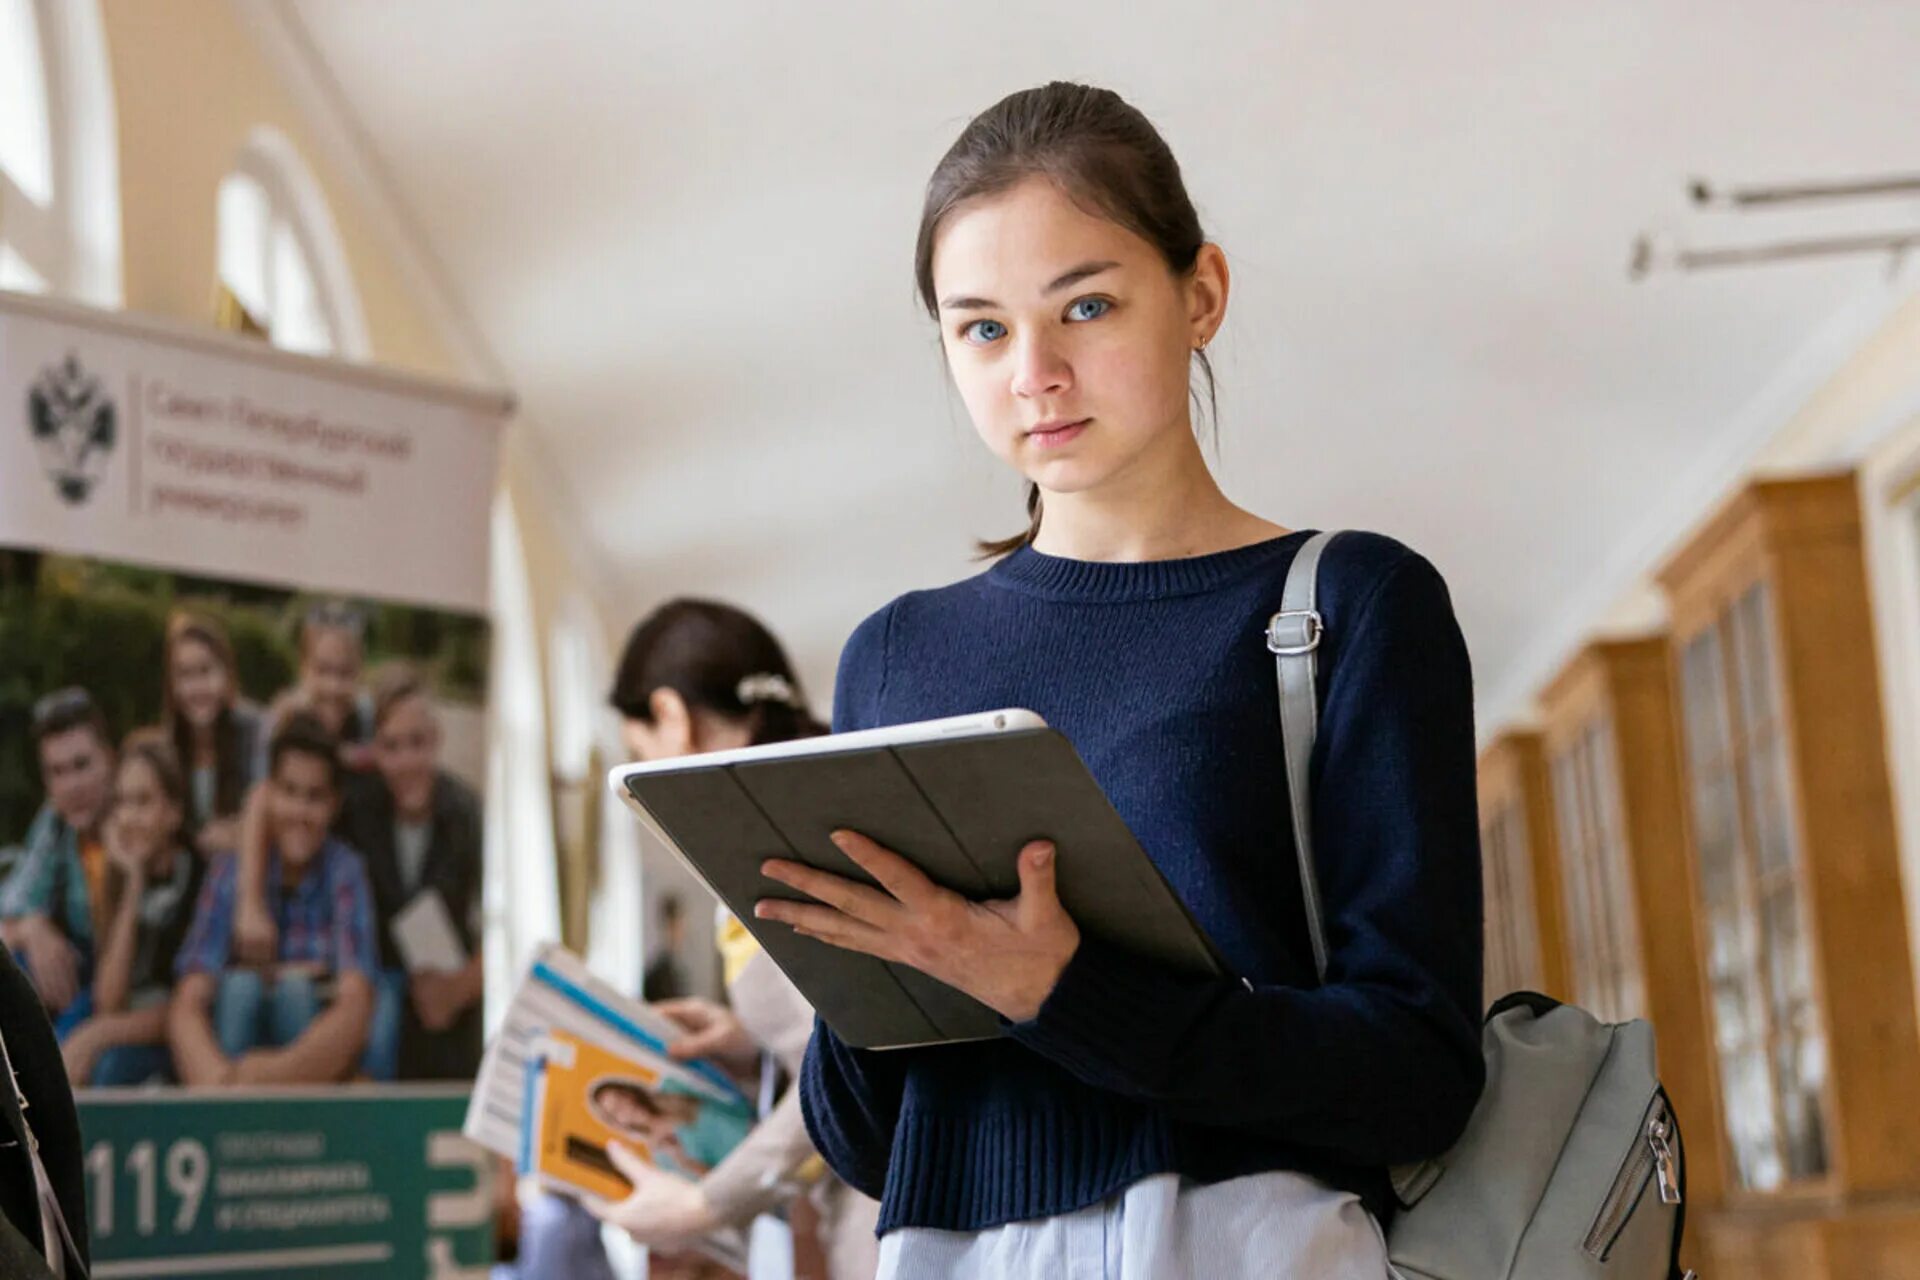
(134, 441)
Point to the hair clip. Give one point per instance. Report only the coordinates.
(765, 687)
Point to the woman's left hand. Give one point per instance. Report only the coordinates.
(1007, 954)
(664, 1209)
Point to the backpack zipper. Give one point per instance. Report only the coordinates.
(1651, 1159)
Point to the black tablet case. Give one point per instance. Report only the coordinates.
(961, 810)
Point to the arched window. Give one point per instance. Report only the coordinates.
(59, 183)
(280, 256)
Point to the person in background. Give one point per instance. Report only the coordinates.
(699, 676)
(216, 734)
(276, 1024)
(664, 979)
(418, 828)
(49, 900)
(153, 881)
(332, 653)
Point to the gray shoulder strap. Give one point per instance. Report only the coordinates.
(1293, 635)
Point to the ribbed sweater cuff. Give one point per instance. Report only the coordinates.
(1107, 1019)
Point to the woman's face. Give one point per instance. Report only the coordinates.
(201, 686)
(629, 1113)
(330, 675)
(1067, 335)
(148, 819)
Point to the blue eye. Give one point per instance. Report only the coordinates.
(1078, 311)
(983, 331)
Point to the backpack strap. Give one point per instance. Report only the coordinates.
(1293, 636)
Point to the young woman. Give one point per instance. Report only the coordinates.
(215, 734)
(698, 676)
(152, 883)
(1157, 1124)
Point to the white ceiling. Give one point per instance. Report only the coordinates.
(686, 232)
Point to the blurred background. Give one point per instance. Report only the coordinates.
(1609, 310)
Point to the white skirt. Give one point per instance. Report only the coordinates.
(1266, 1225)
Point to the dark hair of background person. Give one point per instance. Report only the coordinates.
(301, 733)
(1105, 155)
(67, 709)
(704, 651)
(633, 1091)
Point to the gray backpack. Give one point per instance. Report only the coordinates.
(1571, 1166)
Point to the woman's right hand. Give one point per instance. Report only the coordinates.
(255, 939)
(712, 1031)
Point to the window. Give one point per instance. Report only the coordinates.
(280, 257)
(1601, 925)
(59, 190)
(1766, 1023)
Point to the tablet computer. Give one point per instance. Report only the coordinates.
(958, 797)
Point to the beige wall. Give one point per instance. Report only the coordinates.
(190, 85)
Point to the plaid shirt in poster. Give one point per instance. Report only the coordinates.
(326, 920)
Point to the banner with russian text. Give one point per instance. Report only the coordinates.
(243, 671)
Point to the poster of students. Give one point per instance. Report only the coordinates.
(240, 826)
(244, 660)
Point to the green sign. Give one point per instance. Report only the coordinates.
(349, 1181)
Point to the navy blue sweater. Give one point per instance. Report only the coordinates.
(1159, 674)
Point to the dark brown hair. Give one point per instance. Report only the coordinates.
(1102, 153)
(152, 748)
(642, 1097)
(150, 745)
(708, 653)
(67, 709)
(301, 733)
(230, 764)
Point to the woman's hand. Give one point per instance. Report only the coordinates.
(664, 1209)
(1007, 954)
(712, 1031)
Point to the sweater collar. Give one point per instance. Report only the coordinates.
(1112, 582)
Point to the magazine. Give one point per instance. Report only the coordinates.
(576, 1064)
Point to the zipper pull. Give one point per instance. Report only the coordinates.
(1663, 1167)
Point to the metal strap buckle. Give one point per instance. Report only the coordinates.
(1293, 632)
